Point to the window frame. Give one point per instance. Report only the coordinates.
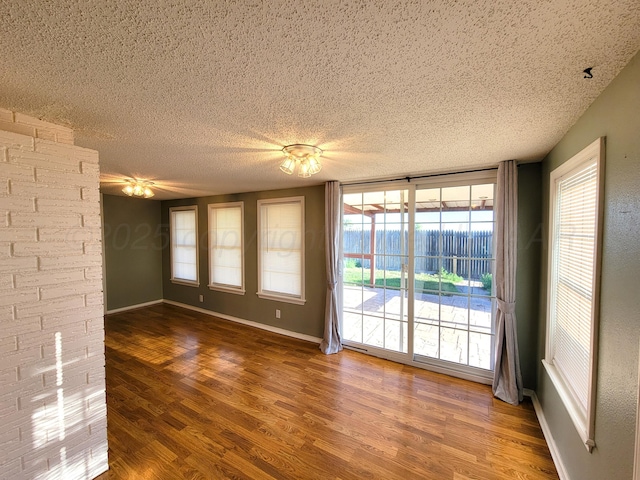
(272, 295)
(237, 289)
(583, 420)
(174, 279)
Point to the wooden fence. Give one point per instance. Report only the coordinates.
(462, 253)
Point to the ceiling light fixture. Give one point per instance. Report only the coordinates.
(138, 188)
(305, 156)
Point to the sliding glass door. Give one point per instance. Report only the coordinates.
(417, 273)
(453, 318)
(375, 269)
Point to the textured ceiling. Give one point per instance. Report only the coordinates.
(200, 96)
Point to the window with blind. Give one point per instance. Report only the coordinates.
(573, 296)
(184, 245)
(281, 249)
(226, 247)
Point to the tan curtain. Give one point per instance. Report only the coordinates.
(331, 342)
(507, 379)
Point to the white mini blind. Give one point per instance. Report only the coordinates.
(226, 245)
(281, 247)
(575, 219)
(184, 244)
(574, 256)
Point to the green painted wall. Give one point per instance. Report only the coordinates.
(528, 272)
(136, 230)
(133, 251)
(616, 115)
(306, 319)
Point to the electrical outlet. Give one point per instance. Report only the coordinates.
(202, 298)
(277, 313)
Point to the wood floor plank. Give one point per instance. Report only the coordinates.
(193, 397)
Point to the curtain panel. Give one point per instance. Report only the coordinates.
(331, 342)
(507, 378)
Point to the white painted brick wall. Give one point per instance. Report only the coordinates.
(33, 127)
(52, 378)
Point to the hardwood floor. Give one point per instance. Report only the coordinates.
(193, 397)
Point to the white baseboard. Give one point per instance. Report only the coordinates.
(133, 307)
(553, 448)
(261, 326)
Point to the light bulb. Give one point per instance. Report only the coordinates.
(314, 166)
(288, 166)
(304, 169)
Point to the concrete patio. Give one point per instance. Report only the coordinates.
(456, 328)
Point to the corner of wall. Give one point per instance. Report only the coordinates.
(51, 312)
